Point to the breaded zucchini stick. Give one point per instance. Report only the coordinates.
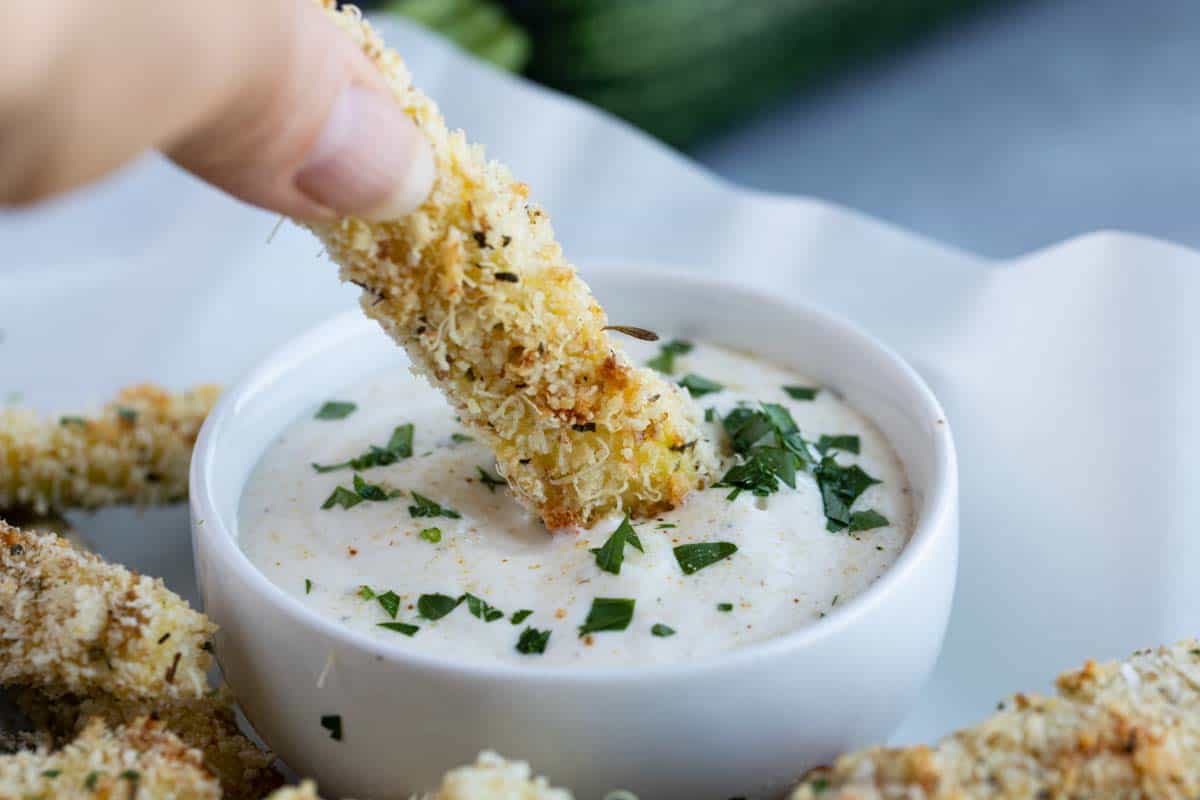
(477, 290)
(141, 759)
(136, 450)
(70, 622)
(492, 778)
(307, 790)
(209, 725)
(1119, 730)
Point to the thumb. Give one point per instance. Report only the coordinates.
(307, 127)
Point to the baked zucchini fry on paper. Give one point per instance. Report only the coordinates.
(1126, 729)
(477, 290)
(141, 759)
(70, 622)
(135, 451)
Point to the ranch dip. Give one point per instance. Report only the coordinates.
(427, 551)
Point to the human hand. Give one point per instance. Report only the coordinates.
(265, 99)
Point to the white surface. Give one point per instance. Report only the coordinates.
(787, 573)
(590, 726)
(1071, 376)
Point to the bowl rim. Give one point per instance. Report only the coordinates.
(936, 516)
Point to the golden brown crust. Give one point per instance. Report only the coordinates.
(1126, 729)
(208, 724)
(135, 451)
(476, 289)
(141, 759)
(70, 622)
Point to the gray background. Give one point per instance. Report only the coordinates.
(1020, 127)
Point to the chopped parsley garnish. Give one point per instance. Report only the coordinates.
(335, 409)
(400, 446)
(840, 487)
(489, 480)
(695, 557)
(481, 609)
(51, 773)
(698, 386)
(725, 607)
(424, 507)
(802, 392)
(658, 629)
(130, 775)
(844, 442)
(608, 614)
(461, 437)
(611, 555)
(436, 606)
(341, 497)
(89, 782)
(835, 599)
(662, 526)
(520, 616)
(127, 414)
(401, 627)
(72, 421)
(867, 520)
(711, 415)
(390, 602)
(308, 586)
(771, 448)
(366, 593)
(333, 724)
(362, 491)
(819, 785)
(533, 641)
(665, 360)
(431, 535)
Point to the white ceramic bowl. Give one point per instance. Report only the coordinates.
(746, 723)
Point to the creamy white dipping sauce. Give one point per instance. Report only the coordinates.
(787, 572)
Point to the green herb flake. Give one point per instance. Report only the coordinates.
(459, 438)
(335, 409)
(611, 555)
(819, 785)
(725, 607)
(840, 487)
(51, 773)
(366, 593)
(711, 415)
(424, 507)
(802, 392)
(608, 614)
(390, 602)
(73, 421)
(662, 526)
(867, 520)
(481, 609)
(695, 557)
(399, 446)
(401, 627)
(489, 480)
(520, 616)
(845, 442)
(127, 414)
(341, 497)
(698, 386)
(662, 631)
(431, 535)
(532, 641)
(369, 491)
(664, 362)
(333, 724)
(436, 606)
(130, 775)
(308, 586)
(89, 782)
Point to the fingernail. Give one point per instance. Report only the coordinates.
(370, 159)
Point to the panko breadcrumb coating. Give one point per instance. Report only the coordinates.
(135, 451)
(209, 725)
(1126, 729)
(307, 790)
(141, 759)
(70, 622)
(476, 289)
(493, 778)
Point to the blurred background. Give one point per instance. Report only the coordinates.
(999, 126)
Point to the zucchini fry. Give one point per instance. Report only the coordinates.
(491, 777)
(307, 790)
(70, 622)
(209, 725)
(141, 759)
(136, 450)
(474, 286)
(1124, 729)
